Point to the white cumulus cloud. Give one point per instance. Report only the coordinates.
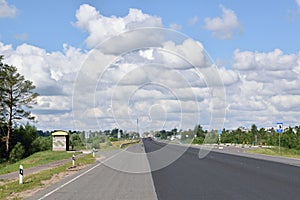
(53, 74)
(223, 27)
(7, 10)
(267, 88)
(298, 4)
(102, 27)
(275, 60)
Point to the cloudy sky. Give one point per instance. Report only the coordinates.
(115, 63)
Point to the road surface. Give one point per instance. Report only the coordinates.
(113, 178)
(223, 176)
(132, 174)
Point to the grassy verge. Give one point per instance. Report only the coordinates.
(12, 189)
(36, 159)
(107, 148)
(124, 143)
(284, 152)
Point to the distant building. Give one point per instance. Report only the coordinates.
(60, 141)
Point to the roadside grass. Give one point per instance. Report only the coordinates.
(284, 152)
(116, 145)
(36, 159)
(12, 189)
(123, 143)
(105, 147)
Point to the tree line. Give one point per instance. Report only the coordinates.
(93, 139)
(290, 138)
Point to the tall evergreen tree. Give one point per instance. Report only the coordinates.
(17, 96)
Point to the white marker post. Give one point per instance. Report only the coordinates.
(21, 174)
(73, 160)
(94, 152)
(219, 139)
(219, 133)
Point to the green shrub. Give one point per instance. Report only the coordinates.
(113, 139)
(17, 153)
(41, 144)
(198, 140)
(96, 144)
(75, 141)
(108, 143)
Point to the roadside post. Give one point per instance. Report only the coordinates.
(219, 139)
(21, 174)
(73, 160)
(219, 133)
(94, 152)
(279, 130)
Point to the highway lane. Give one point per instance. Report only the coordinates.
(111, 179)
(221, 176)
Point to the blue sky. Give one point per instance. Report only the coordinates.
(264, 25)
(246, 39)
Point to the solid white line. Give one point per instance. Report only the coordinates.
(58, 188)
(72, 180)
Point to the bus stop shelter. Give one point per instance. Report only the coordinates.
(60, 141)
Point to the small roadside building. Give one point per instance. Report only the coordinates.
(60, 141)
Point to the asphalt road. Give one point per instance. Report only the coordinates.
(170, 172)
(222, 176)
(113, 178)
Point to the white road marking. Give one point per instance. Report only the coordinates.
(72, 180)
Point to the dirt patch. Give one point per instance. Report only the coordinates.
(6, 182)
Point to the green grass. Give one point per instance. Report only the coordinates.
(284, 152)
(36, 159)
(128, 143)
(9, 189)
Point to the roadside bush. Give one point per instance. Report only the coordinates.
(112, 139)
(96, 144)
(75, 141)
(41, 144)
(17, 153)
(108, 143)
(198, 140)
(25, 135)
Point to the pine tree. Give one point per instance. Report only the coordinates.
(16, 97)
